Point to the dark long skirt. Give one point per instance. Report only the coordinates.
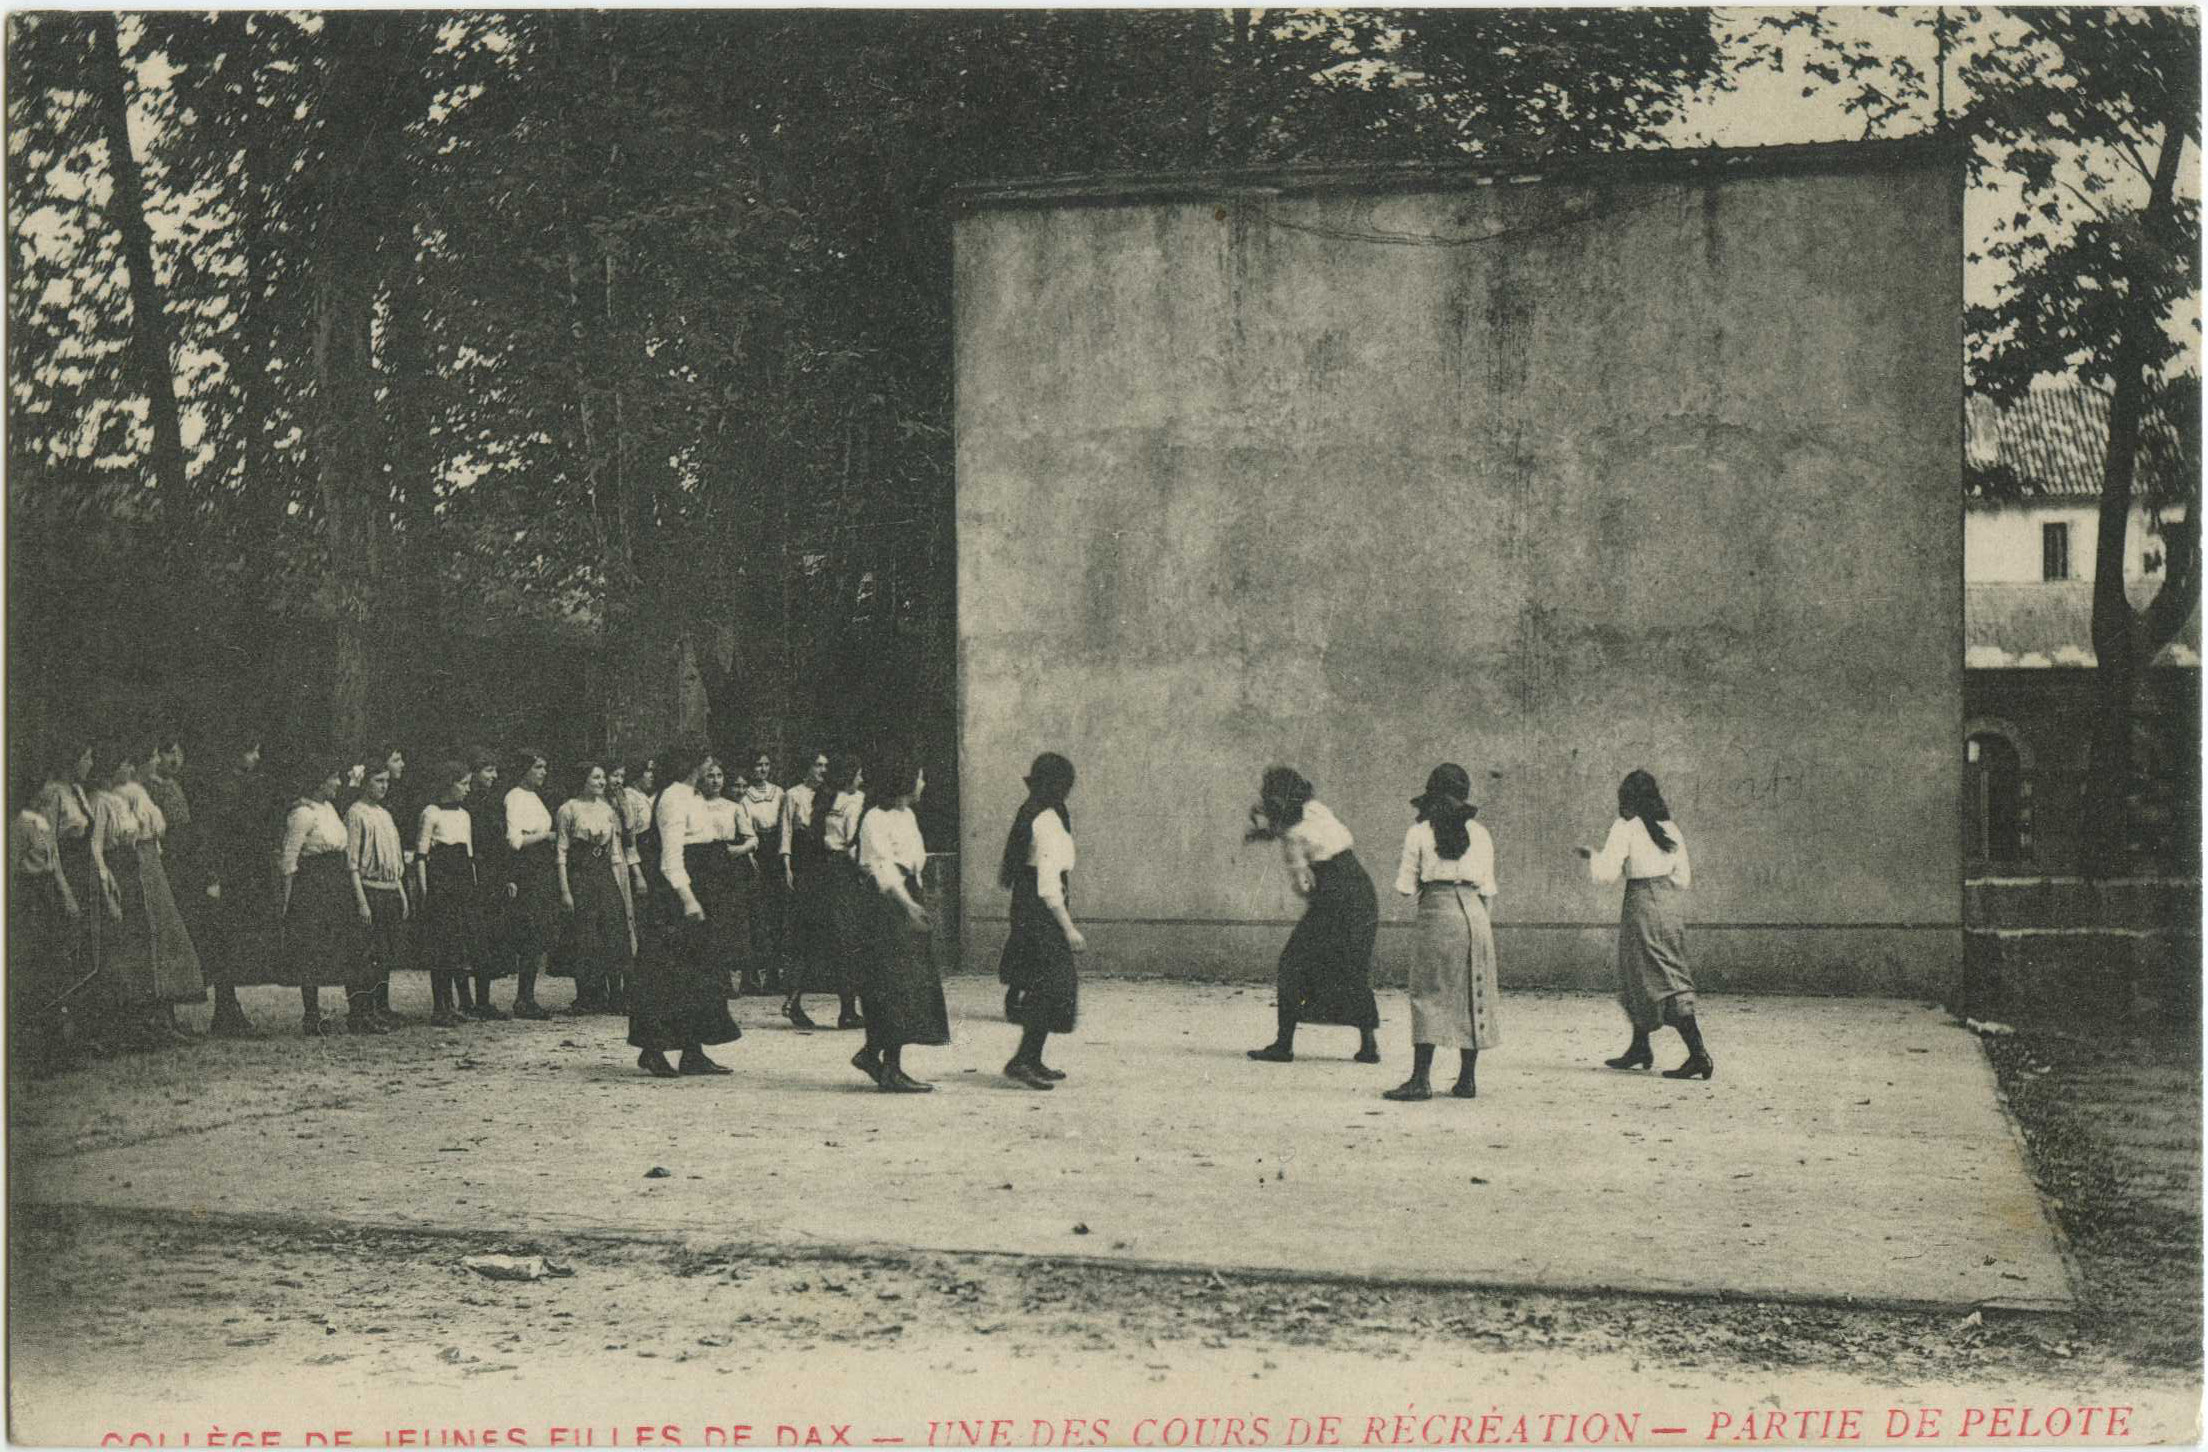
(38, 960)
(1326, 969)
(533, 920)
(150, 956)
(900, 988)
(323, 940)
(387, 931)
(449, 935)
(678, 995)
(770, 913)
(79, 980)
(240, 935)
(597, 939)
(721, 889)
(1038, 965)
(827, 917)
(1655, 986)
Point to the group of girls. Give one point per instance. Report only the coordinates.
(663, 893)
(852, 869)
(124, 905)
(1448, 866)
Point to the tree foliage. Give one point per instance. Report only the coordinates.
(634, 323)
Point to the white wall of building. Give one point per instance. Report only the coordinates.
(2002, 543)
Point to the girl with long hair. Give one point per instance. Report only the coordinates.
(1325, 973)
(1448, 864)
(899, 983)
(1655, 984)
(1039, 954)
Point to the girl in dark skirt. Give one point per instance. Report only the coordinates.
(487, 831)
(450, 936)
(1325, 973)
(590, 844)
(325, 912)
(78, 988)
(724, 883)
(830, 910)
(898, 980)
(678, 996)
(1038, 961)
(378, 860)
(244, 822)
(42, 911)
(533, 869)
(150, 962)
(638, 787)
(1655, 985)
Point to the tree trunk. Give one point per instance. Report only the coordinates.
(2120, 639)
(352, 203)
(152, 340)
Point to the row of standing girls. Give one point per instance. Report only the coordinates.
(124, 904)
(1448, 867)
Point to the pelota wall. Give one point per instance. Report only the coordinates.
(1655, 464)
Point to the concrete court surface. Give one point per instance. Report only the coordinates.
(1848, 1149)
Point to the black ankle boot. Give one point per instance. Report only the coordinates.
(1699, 1064)
(1639, 1056)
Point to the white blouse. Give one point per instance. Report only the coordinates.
(1630, 849)
(445, 826)
(525, 812)
(1050, 852)
(841, 833)
(1318, 837)
(890, 849)
(66, 809)
(125, 817)
(372, 843)
(728, 820)
(310, 829)
(589, 825)
(1423, 862)
(636, 820)
(682, 819)
(762, 810)
(797, 812)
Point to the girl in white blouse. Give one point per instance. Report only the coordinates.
(1325, 972)
(1449, 866)
(1038, 962)
(1655, 985)
(325, 911)
(378, 862)
(678, 996)
(445, 886)
(532, 867)
(899, 983)
(591, 866)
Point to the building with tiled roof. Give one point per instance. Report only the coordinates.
(2031, 532)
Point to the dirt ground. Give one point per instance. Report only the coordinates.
(174, 1324)
(2112, 1123)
